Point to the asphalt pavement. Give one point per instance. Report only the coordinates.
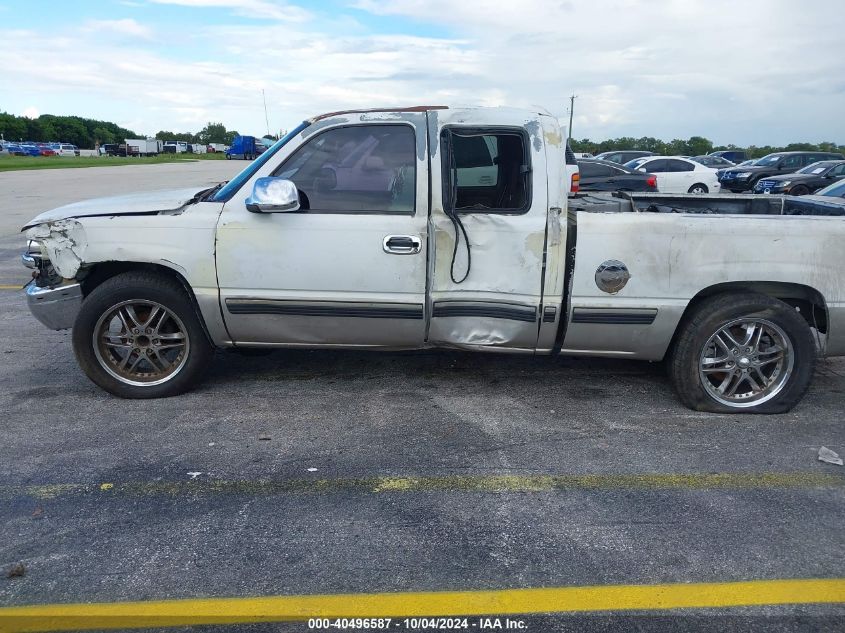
(304, 473)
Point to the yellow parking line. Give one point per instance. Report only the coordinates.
(446, 483)
(603, 598)
(11, 287)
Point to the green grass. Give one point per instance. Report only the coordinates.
(15, 163)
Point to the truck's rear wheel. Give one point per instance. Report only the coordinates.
(743, 353)
(137, 336)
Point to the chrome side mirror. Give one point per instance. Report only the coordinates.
(273, 195)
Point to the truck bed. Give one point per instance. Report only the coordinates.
(734, 204)
(678, 247)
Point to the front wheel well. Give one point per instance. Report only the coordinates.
(98, 273)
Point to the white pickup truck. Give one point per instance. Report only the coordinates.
(434, 227)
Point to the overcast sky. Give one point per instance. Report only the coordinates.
(741, 71)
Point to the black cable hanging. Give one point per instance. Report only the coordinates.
(455, 218)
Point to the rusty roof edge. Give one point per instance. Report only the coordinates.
(419, 108)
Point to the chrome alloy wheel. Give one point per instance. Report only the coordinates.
(746, 362)
(141, 342)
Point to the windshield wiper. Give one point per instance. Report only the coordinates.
(207, 194)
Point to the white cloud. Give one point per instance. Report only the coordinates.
(639, 68)
(249, 8)
(126, 26)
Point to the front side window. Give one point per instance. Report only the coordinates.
(837, 171)
(356, 169)
(486, 171)
(654, 166)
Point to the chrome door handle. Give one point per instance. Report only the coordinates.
(402, 244)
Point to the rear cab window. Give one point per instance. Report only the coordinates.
(486, 170)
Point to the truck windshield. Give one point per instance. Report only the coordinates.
(235, 183)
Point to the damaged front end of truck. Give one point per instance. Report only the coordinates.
(55, 252)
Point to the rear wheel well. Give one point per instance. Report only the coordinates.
(98, 273)
(807, 301)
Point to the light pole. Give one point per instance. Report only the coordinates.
(266, 119)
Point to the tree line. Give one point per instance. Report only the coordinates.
(87, 133)
(693, 146)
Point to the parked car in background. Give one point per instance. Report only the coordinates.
(46, 150)
(739, 179)
(623, 156)
(716, 162)
(4, 149)
(678, 175)
(836, 190)
(733, 155)
(15, 149)
(603, 175)
(65, 149)
(804, 181)
(175, 147)
(580, 155)
(29, 149)
(745, 163)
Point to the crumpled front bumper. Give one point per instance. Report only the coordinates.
(55, 307)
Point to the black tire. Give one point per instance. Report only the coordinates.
(142, 286)
(799, 190)
(708, 319)
(699, 187)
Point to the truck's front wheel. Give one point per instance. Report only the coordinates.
(743, 353)
(138, 336)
